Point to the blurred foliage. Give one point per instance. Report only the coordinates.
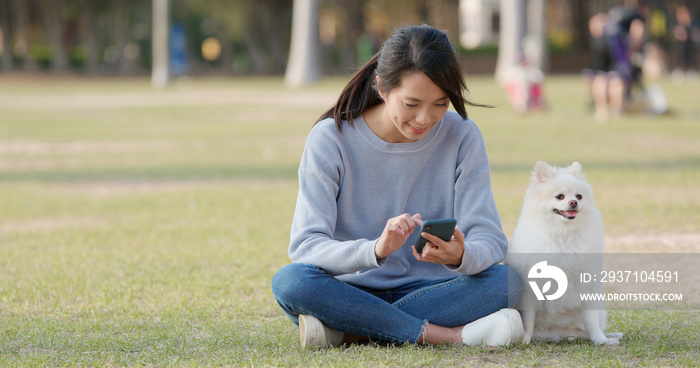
(254, 34)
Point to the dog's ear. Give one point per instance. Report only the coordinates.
(575, 170)
(542, 172)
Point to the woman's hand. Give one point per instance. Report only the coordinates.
(395, 233)
(440, 251)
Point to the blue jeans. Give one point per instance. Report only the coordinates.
(396, 315)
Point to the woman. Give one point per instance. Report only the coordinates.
(388, 155)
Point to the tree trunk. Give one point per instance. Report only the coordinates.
(160, 73)
(538, 57)
(226, 51)
(254, 37)
(277, 33)
(21, 19)
(353, 30)
(254, 48)
(121, 25)
(580, 16)
(6, 29)
(55, 22)
(511, 34)
(304, 65)
(89, 36)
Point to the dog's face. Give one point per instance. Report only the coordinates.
(560, 193)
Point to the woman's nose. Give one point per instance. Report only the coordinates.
(423, 118)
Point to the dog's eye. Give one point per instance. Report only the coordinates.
(559, 196)
(579, 197)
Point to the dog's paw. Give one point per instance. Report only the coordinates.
(614, 338)
(605, 340)
(609, 339)
(615, 335)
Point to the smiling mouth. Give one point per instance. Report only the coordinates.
(415, 130)
(569, 215)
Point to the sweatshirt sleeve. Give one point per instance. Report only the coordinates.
(485, 244)
(312, 234)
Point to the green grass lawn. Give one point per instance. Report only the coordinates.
(142, 227)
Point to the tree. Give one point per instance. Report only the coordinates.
(53, 13)
(352, 30)
(160, 74)
(6, 29)
(511, 33)
(536, 34)
(522, 31)
(121, 34)
(89, 35)
(579, 19)
(304, 65)
(254, 35)
(20, 16)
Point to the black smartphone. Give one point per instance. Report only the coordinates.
(443, 229)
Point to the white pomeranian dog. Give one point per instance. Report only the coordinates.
(559, 217)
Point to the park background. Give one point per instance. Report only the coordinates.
(142, 226)
(240, 37)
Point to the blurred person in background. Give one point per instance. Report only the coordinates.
(524, 83)
(628, 29)
(615, 58)
(607, 79)
(686, 34)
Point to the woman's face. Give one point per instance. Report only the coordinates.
(412, 108)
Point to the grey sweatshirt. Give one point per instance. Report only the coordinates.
(351, 183)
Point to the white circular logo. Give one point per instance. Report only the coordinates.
(543, 271)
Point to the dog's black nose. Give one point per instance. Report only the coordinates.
(573, 203)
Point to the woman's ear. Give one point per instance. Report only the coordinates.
(380, 86)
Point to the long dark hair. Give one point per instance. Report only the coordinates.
(414, 48)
